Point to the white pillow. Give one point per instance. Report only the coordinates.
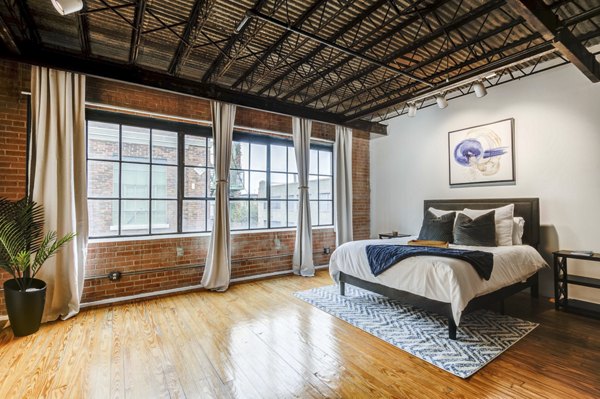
(439, 212)
(504, 222)
(518, 229)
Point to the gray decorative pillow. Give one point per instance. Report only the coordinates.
(480, 231)
(437, 228)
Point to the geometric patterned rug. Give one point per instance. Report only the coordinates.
(481, 336)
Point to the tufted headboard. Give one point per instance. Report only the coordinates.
(527, 208)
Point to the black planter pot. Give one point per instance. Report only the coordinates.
(25, 309)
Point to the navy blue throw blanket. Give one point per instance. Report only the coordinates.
(382, 257)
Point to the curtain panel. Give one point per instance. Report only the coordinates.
(342, 158)
(217, 272)
(57, 180)
(303, 253)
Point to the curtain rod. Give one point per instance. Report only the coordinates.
(184, 119)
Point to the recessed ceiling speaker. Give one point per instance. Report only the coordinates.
(65, 7)
(412, 109)
(441, 101)
(479, 89)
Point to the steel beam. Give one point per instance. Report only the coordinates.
(131, 74)
(136, 33)
(83, 28)
(541, 19)
(7, 37)
(32, 31)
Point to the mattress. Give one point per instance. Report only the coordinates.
(442, 279)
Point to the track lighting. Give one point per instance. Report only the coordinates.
(65, 7)
(412, 109)
(479, 89)
(441, 100)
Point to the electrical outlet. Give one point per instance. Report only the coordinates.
(114, 276)
(326, 250)
(179, 251)
(277, 242)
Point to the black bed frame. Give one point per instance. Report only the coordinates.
(527, 208)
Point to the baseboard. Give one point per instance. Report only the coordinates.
(153, 294)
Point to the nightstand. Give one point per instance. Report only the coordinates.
(391, 235)
(562, 280)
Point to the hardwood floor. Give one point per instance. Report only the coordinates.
(257, 340)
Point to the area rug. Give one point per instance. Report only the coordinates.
(481, 337)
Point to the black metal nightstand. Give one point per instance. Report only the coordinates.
(562, 279)
(391, 235)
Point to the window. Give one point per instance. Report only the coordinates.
(149, 177)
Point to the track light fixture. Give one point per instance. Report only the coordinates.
(412, 109)
(441, 100)
(65, 7)
(479, 89)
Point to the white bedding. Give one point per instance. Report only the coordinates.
(443, 279)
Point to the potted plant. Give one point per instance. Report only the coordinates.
(23, 250)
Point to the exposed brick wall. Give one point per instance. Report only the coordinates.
(253, 253)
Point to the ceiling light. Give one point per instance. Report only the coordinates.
(479, 89)
(65, 7)
(412, 109)
(241, 24)
(441, 100)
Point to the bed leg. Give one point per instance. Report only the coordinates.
(451, 328)
(342, 288)
(535, 287)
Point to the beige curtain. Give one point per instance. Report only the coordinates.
(302, 259)
(217, 272)
(342, 158)
(58, 181)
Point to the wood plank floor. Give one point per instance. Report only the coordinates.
(258, 341)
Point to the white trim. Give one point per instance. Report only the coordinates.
(4, 318)
(178, 290)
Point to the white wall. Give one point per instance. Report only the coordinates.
(557, 158)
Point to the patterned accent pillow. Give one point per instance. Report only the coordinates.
(437, 228)
(480, 231)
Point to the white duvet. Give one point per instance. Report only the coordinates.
(443, 279)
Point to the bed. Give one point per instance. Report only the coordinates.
(449, 287)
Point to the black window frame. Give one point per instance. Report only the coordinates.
(188, 129)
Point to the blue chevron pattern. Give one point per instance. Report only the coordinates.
(482, 335)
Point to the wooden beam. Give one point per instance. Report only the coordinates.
(136, 33)
(541, 19)
(129, 73)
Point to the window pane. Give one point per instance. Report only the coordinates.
(259, 215)
(314, 162)
(278, 214)
(278, 158)
(195, 182)
(164, 147)
(240, 155)
(325, 187)
(313, 187)
(211, 215)
(194, 215)
(212, 183)
(239, 215)
(258, 157)
(195, 150)
(136, 144)
(103, 179)
(164, 217)
(292, 166)
(325, 213)
(238, 184)
(314, 213)
(293, 192)
(324, 162)
(292, 213)
(258, 185)
(164, 181)
(211, 152)
(135, 180)
(103, 140)
(103, 216)
(135, 217)
(278, 185)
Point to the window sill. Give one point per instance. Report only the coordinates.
(205, 234)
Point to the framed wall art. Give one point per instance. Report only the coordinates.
(482, 154)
